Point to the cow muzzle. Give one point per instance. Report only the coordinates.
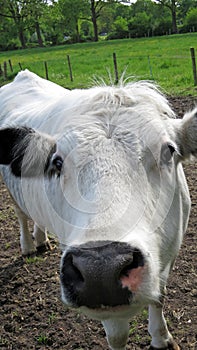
(99, 274)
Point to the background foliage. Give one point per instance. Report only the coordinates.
(31, 23)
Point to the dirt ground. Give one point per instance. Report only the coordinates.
(32, 315)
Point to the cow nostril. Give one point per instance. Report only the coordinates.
(138, 261)
(70, 274)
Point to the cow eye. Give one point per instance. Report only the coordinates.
(167, 151)
(57, 163)
(54, 165)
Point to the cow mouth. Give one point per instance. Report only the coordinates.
(104, 308)
(106, 312)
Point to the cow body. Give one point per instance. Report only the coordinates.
(101, 169)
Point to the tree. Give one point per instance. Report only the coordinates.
(72, 12)
(106, 19)
(35, 11)
(25, 14)
(120, 28)
(96, 7)
(8, 35)
(17, 11)
(75, 10)
(185, 5)
(140, 24)
(54, 25)
(191, 19)
(172, 5)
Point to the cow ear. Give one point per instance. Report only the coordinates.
(9, 139)
(25, 150)
(188, 134)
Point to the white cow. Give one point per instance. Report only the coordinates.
(101, 169)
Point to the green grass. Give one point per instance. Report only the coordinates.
(42, 339)
(166, 60)
(33, 259)
(52, 318)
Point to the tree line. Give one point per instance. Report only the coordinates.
(30, 23)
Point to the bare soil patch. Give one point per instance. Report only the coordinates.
(32, 315)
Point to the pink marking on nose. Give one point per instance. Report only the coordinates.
(133, 279)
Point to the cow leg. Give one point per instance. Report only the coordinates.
(117, 332)
(26, 240)
(161, 337)
(41, 239)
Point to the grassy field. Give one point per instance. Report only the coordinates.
(166, 60)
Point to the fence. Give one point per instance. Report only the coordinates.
(46, 71)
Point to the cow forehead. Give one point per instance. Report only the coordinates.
(121, 114)
(125, 133)
(127, 105)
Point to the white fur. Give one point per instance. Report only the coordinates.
(113, 185)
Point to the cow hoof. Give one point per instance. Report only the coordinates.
(28, 252)
(44, 247)
(172, 345)
(29, 255)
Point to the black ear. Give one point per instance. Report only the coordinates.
(26, 150)
(10, 138)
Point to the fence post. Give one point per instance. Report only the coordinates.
(193, 65)
(10, 64)
(150, 67)
(1, 71)
(20, 66)
(46, 70)
(5, 70)
(70, 68)
(115, 68)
